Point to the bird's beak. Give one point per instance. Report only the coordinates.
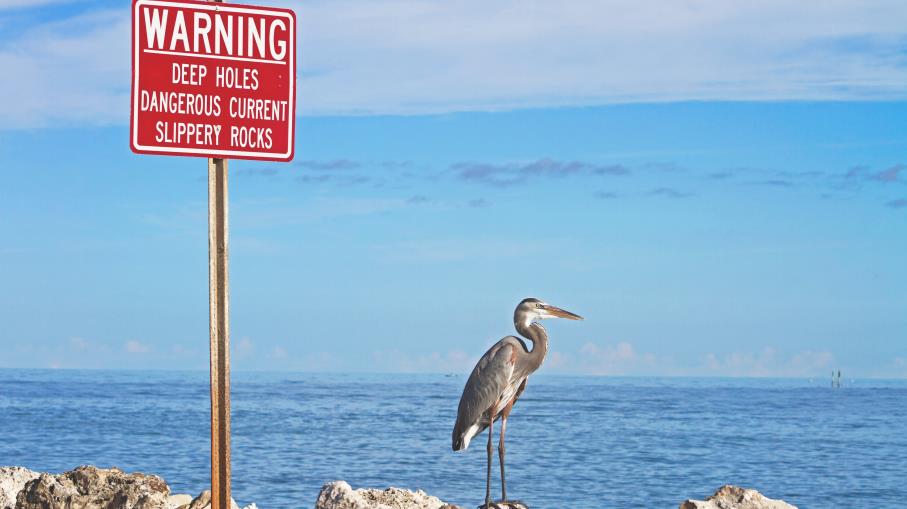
(560, 313)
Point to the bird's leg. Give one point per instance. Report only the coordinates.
(504, 503)
(501, 450)
(488, 504)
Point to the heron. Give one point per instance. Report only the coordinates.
(498, 380)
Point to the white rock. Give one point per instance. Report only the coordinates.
(12, 480)
(203, 501)
(174, 501)
(339, 495)
(734, 497)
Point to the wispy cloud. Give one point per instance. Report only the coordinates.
(245, 348)
(27, 4)
(334, 178)
(668, 192)
(769, 362)
(616, 359)
(422, 201)
(863, 173)
(347, 172)
(828, 184)
(720, 175)
(592, 52)
(258, 172)
(333, 165)
(136, 347)
(775, 183)
(448, 250)
(78, 344)
(608, 358)
(70, 72)
(279, 353)
(586, 52)
(890, 174)
(606, 195)
(899, 203)
(454, 361)
(511, 174)
(856, 172)
(900, 366)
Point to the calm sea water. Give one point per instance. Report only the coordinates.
(578, 442)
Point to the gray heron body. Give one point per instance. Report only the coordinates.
(499, 379)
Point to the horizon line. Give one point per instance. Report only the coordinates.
(448, 374)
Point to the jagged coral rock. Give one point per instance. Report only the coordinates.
(339, 495)
(12, 480)
(89, 487)
(735, 497)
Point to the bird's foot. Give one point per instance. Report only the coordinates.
(491, 505)
(511, 504)
(504, 504)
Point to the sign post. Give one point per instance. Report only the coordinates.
(219, 316)
(216, 81)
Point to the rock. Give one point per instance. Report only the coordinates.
(733, 497)
(203, 501)
(12, 480)
(339, 495)
(176, 501)
(89, 487)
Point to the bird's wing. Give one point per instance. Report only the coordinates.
(488, 381)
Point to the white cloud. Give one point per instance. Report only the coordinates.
(25, 4)
(620, 358)
(70, 72)
(392, 56)
(245, 348)
(282, 359)
(441, 56)
(279, 353)
(900, 366)
(556, 360)
(78, 343)
(454, 361)
(769, 362)
(134, 346)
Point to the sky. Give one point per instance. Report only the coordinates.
(718, 187)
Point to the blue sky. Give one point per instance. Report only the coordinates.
(719, 191)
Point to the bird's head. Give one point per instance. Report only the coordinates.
(532, 310)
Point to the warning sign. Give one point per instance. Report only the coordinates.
(213, 80)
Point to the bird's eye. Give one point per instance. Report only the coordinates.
(538, 305)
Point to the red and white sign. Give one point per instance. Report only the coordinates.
(213, 80)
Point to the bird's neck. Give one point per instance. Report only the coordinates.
(539, 336)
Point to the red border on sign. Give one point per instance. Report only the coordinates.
(223, 154)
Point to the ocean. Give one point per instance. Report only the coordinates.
(577, 442)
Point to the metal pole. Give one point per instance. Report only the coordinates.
(219, 300)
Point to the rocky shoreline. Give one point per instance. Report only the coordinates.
(89, 487)
(340, 495)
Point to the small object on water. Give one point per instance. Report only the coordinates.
(836, 379)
